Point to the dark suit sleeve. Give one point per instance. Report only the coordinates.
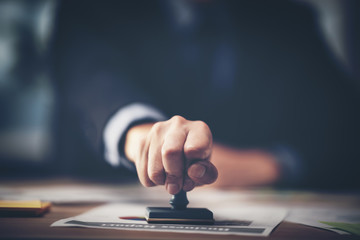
(94, 67)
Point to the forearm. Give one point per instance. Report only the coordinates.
(244, 168)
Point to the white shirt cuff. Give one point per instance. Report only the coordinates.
(118, 125)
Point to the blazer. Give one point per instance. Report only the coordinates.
(257, 72)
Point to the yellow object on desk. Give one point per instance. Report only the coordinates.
(23, 208)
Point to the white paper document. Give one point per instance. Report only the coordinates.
(242, 220)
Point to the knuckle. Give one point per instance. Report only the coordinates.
(174, 176)
(202, 126)
(156, 176)
(177, 119)
(171, 152)
(156, 128)
(200, 151)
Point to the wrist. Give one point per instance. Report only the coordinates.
(133, 139)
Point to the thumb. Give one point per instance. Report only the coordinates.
(202, 172)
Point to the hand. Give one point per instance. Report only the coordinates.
(174, 152)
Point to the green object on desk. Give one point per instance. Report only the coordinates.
(353, 228)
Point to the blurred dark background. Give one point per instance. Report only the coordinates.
(295, 64)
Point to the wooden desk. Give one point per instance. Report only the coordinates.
(39, 228)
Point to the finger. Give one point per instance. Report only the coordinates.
(188, 184)
(198, 147)
(198, 143)
(155, 169)
(202, 172)
(173, 159)
(142, 162)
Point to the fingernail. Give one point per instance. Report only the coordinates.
(197, 171)
(173, 188)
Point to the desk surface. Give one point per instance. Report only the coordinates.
(39, 227)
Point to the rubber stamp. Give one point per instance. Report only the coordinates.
(179, 213)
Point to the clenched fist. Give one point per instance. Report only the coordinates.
(175, 153)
